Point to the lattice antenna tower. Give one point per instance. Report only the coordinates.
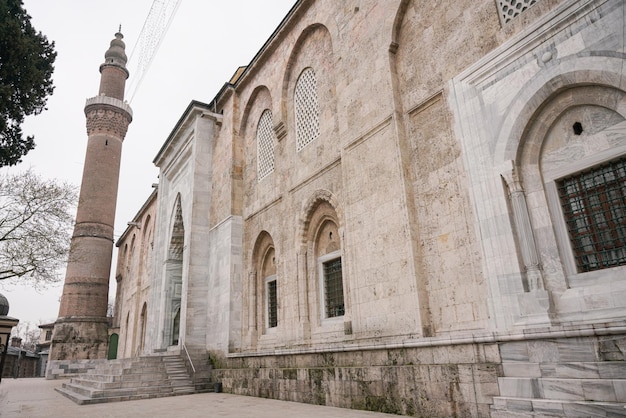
(154, 29)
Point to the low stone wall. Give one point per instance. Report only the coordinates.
(443, 381)
(70, 368)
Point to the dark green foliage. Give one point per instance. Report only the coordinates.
(26, 66)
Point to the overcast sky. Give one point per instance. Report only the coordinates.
(206, 42)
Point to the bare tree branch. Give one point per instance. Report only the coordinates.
(36, 219)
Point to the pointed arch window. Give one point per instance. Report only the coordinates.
(265, 145)
(307, 109)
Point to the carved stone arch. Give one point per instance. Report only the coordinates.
(132, 245)
(177, 231)
(145, 225)
(533, 98)
(259, 100)
(319, 196)
(143, 325)
(397, 24)
(262, 269)
(125, 259)
(549, 148)
(263, 242)
(174, 276)
(601, 96)
(303, 55)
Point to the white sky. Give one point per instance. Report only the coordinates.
(206, 42)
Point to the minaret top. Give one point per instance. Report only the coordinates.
(116, 55)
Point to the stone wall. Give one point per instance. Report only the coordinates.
(70, 368)
(440, 381)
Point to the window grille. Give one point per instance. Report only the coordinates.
(265, 145)
(307, 109)
(510, 9)
(594, 205)
(272, 304)
(333, 289)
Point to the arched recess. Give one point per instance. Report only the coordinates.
(264, 285)
(143, 323)
(318, 197)
(535, 95)
(575, 129)
(321, 239)
(260, 101)
(439, 207)
(146, 251)
(174, 276)
(127, 337)
(313, 49)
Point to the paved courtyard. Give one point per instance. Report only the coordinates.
(37, 398)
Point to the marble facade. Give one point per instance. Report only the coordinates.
(430, 169)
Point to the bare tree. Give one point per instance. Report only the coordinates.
(28, 333)
(36, 219)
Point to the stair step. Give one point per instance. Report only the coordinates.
(571, 370)
(600, 390)
(550, 407)
(129, 379)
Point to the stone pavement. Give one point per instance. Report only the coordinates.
(36, 398)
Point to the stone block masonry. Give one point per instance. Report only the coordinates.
(441, 381)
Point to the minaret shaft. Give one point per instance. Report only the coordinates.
(81, 331)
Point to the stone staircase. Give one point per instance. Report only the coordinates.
(132, 379)
(569, 377)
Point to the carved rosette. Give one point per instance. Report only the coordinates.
(107, 115)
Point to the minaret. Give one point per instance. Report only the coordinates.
(81, 331)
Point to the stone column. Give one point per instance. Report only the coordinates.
(526, 238)
(534, 304)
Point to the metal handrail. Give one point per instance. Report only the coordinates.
(189, 358)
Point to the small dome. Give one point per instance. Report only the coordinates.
(115, 54)
(4, 305)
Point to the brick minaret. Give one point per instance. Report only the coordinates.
(81, 331)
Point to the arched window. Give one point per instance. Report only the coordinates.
(307, 109)
(265, 145)
(270, 289)
(322, 237)
(328, 252)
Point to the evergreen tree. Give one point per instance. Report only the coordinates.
(26, 66)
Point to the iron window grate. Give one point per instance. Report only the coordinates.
(272, 304)
(333, 289)
(594, 206)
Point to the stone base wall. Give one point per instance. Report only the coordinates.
(64, 369)
(84, 338)
(444, 381)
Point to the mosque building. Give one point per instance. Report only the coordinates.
(415, 207)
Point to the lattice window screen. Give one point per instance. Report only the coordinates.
(307, 109)
(510, 9)
(265, 145)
